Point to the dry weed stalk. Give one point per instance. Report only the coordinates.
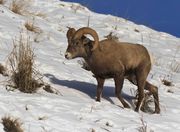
(175, 66)
(24, 76)
(11, 125)
(40, 14)
(76, 7)
(19, 6)
(143, 128)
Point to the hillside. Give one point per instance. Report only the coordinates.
(74, 109)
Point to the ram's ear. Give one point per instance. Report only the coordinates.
(70, 33)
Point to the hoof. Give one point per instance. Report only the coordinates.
(157, 111)
(98, 100)
(136, 109)
(127, 106)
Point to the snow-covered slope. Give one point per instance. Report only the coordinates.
(75, 109)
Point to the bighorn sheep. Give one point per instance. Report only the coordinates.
(113, 59)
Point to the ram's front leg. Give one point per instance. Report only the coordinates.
(119, 80)
(100, 85)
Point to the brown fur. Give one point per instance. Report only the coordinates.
(117, 60)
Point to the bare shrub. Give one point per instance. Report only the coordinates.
(31, 27)
(24, 76)
(11, 125)
(19, 6)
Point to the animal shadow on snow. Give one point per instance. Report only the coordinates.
(89, 89)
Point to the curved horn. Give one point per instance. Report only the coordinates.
(86, 30)
(70, 33)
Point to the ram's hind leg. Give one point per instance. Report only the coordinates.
(141, 76)
(153, 90)
(119, 80)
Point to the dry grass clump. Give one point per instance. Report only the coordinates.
(136, 30)
(2, 2)
(110, 36)
(166, 82)
(77, 7)
(24, 76)
(11, 125)
(49, 89)
(39, 14)
(31, 27)
(19, 6)
(3, 70)
(93, 130)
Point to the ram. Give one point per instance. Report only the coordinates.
(113, 59)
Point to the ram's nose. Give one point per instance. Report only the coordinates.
(68, 55)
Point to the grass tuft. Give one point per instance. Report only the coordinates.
(167, 83)
(19, 6)
(24, 76)
(31, 27)
(11, 125)
(110, 36)
(2, 2)
(3, 70)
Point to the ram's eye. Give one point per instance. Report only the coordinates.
(76, 43)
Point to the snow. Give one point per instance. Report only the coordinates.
(75, 108)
